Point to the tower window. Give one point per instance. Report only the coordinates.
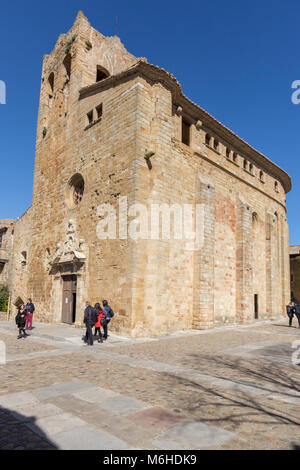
(102, 73)
(2, 233)
(185, 136)
(90, 117)
(216, 144)
(207, 139)
(234, 157)
(74, 191)
(227, 152)
(99, 110)
(51, 84)
(67, 64)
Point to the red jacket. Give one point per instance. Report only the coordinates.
(101, 315)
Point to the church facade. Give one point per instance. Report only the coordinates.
(116, 140)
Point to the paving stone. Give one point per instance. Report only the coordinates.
(199, 435)
(44, 393)
(123, 405)
(167, 444)
(156, 417)
(96, 395)
(61, 389)
(35, 411)
(87, 438)
(13, 400)
(74, 386)
(55, 424)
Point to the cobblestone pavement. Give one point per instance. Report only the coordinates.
(227, 388)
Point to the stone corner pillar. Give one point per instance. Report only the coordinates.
(244, 260)
(203, 304)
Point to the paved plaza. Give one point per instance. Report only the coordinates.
(227, 388)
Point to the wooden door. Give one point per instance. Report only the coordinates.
(68, 298)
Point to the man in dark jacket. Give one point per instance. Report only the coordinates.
(108, 316)
(297, 313)
(290, 309)
(90, 318)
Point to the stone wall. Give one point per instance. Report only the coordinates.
(6, 247)
(20, 258)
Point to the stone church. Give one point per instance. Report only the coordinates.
(110, 126)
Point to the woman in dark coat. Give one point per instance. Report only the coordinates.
(21, 321)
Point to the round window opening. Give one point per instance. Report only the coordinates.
(75, 190)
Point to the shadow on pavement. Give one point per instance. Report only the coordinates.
(15, 435)
(231, 406)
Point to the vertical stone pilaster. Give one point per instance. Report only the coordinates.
(271, 264)
(285, 264)
(203, 308)
(244, 260)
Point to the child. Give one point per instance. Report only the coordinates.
(21, 321)
(101, 315)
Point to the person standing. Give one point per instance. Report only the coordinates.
(290, 310)
(90, 318)
(29, 314)
(108, 316)
(297, 313)
(21, 321)
(101, 315)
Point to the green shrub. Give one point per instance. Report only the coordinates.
(4, 294)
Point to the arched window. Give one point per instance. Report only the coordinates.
(207, 139)
(51, 84)
(234, 157)
(102, 73)
(245, 164)
(261, 175)
(216, 144)
(254, 220)
(2, 233)
(24, 258)
(276, 186)
(251, 167)
(74, 191)
(67, 64)
(227, 152)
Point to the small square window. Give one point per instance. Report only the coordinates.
(185, 132)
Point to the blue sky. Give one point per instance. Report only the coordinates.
(235, 59)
